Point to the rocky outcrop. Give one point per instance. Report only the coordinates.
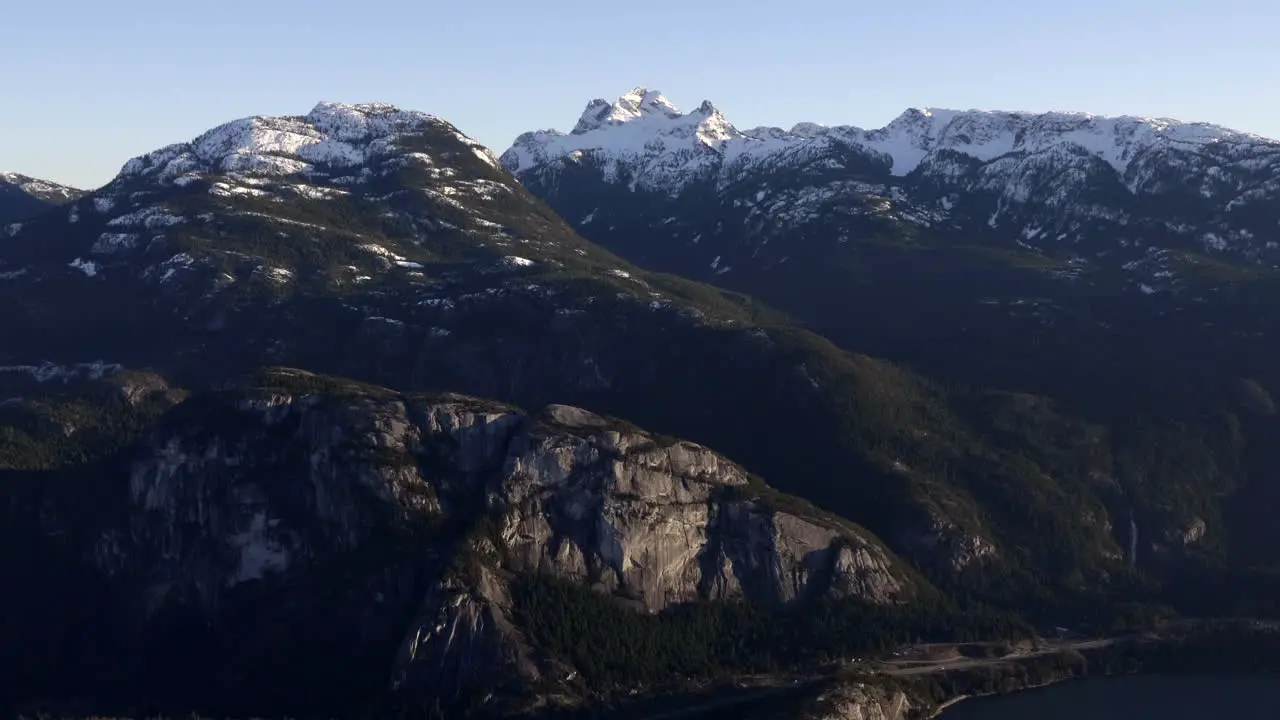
(949, 545)
(858, 701)
(658, 522)
(1191, 532)
(462, 646)
(579, 496)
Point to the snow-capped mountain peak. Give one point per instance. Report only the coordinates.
(332, 134)
(644, 129)
(638, 104)
(388, 216)
(640, 123)
(1080, 186)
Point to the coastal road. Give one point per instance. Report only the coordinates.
(924, 667)
(900, 668)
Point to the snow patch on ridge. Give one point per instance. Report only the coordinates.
(114, 242)
(43, 189)
(151, 218)
(87, 267)
(331, 135)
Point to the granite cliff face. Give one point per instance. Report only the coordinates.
(572, 493)
(654, 521)
(400, 521)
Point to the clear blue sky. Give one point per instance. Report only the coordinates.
(88, 84)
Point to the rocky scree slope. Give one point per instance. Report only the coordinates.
(970, 232)
(22, 197)
(260, 542)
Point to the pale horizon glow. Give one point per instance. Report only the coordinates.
(91, 85)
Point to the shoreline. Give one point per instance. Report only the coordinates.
(1230, 648)
(941, 709)
(938, 711)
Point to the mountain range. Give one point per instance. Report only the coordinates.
(1062, 253)
(1146, 205)
(793, 396)
(1072, 185)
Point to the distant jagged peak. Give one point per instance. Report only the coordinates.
(629, 127)
(650, 112)
(639, 103)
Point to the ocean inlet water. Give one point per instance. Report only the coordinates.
(1135, 697)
